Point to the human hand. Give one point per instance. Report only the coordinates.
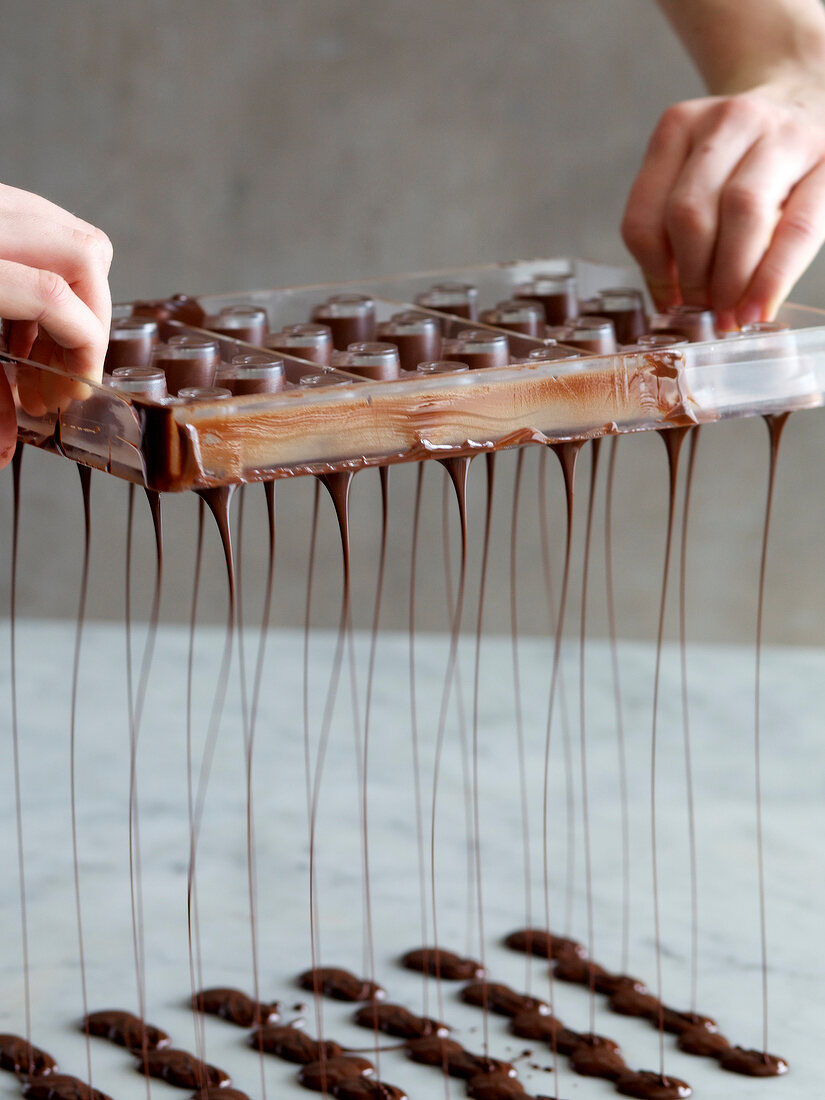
(54, 293)
(728, 209)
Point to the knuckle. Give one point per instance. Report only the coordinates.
(743, 202)
(104, 248)
(670, 126)
(802, 224)
(52, 289)
(686, 213)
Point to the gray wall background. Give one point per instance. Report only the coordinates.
(231, 145)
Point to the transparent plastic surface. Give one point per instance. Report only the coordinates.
(313, 425)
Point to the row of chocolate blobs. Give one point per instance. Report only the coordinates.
(343, 334)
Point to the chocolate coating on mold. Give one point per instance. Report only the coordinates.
(596, 1056)
(19, 1056)
(292, 1044)
(235, 1007)
(703, 1041)
(366, 1088)
(647, 1085)
(61, 1086)
(494, 1086)
(442, 964)
(542, 944)
(125, 1029)
(501, 999)
(340, 984)
(753, 1063)
(325, 1075)
(398, 1021)
(181, 1069)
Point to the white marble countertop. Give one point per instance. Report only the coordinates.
(721, 712)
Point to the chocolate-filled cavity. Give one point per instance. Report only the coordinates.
(693, 322)
(551, 353)
(253, 373)
(661, 339)
(145, 381)
(442, 366)
(647, 1085)
(325, 1074)
(753, 1063)
(542, 944)
(307, 341)
(398, 1021)
(366, 1088)
(625, 307)
(180, 1068)
(204, 393)
(526, 317)
(442, 964)
(501, 999)
(340, 984)
(292, 1044)
(180, 307)
(478, 349)
(234, 1006)
(242, 322)
(595, 1056)
(595, 335)
(350, 318)
(556, 293)
(125, 1029)
(130, 342)
(60, 1086)
(704, 1042)
(459, 299)
(19, 1056)
(375, 360)
(187, 361)
(417, 337)
(317, 379)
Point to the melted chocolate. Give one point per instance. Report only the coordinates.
(398, 1021)
(677, 1022)
(629, 1000)
(292, 1044)
(534, 1024)
(339, 984)
(366, 1088)
(178, 308)
(442, 964)
(595, 1056)
(703, 1041)
(455, 1060)
(235, 1007)
(579, 971)
(501, 999)
(179, 1068)
(535, 941)
(218, 1093)
(753, 1063)
(60, 1086)
(125, 1029)
(19, 1056)
(648, 1085)
(325, 1074)
(494, 1086)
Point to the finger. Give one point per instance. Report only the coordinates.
(720, 142)
(799, 234)
(79, 257)
(27, 294)
(8, 421)
(22, 335)
(750, 206)
(57, 389)
(20, 202)
(643, 226)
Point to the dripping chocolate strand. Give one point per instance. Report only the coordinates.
(691, 814)
(672, 438)
(15, 742)
(617, 695)
(588, 869)
(519, 717)
(85, 482)
(218, 501)
(485, 556)
(561, 690)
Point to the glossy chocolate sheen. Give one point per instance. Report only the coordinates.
(325, 1074)
(753, 1063)
(501, 999)
(339, 984)
(398, 1021)
(457, 1061)
(235, 1007)
(442, 964)
(60, 1086)
(704, 1042)
(630, 1001)
(647, 1085)
(19, 1056)
(366, 1088)
(178, 308)
(595, 1056)
(292, 1044)
(536, 941)
(125, 1029)
(180, 1068)
(676, 1022)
